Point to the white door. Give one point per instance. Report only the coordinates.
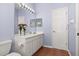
(60, 28)
(77, 29)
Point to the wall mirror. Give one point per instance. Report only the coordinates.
(36, 22)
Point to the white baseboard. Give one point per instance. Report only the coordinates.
(69, 52)
(47, 46)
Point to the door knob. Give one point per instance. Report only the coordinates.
(77, 34)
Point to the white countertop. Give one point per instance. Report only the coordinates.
(28, 35)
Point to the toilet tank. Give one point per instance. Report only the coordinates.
(5, 47)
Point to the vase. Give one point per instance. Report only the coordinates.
(22, 32)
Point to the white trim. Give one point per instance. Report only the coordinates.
(52, 47)
(67, 27)
(47, 46)
(77, 5)
(69, 53)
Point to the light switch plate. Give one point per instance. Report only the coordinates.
(72, 21)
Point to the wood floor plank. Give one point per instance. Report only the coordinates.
(51, 52)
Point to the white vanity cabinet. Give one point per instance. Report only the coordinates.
(37, 42)
(27, 45)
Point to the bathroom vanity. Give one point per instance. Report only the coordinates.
(28, 44)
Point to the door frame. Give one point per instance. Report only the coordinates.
(67, 25)
(76, 26)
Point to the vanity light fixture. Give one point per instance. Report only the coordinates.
(25, 6)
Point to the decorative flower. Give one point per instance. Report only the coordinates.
(22, 26)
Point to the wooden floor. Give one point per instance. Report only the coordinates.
(51, 52)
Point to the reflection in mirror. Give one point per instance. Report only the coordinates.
(35, 23)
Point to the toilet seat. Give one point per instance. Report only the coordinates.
(14, 54)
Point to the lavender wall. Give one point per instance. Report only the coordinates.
(44, 11)
(6, 21)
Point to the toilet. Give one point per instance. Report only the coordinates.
(5, 47)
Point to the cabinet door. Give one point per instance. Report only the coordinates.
(41, 40)
(38, 42)
(34, 45)
(29, 47)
